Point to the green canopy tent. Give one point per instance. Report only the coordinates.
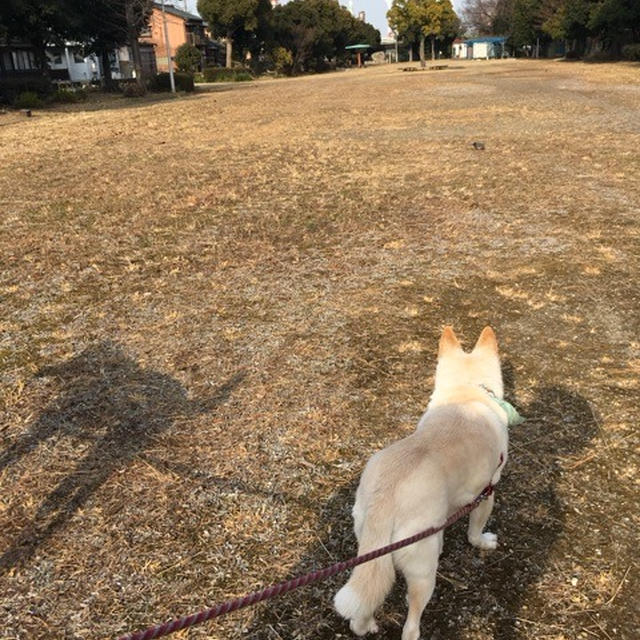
(358, 48)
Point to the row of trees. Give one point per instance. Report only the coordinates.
(102, 26)
(416, 20)
(302, 34)
(299, 35)
(610, 23)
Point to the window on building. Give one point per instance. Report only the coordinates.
(23, 60)
(6, 62)
(55, 57)
(78, 58)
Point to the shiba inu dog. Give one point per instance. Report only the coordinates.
(458, 448)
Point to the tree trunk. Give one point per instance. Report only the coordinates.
(423, 62)
(229, 45)
(411, 52)
(40, 54)
(132, 38)
(107, 81)
(433, 47)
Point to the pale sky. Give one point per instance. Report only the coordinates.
(375, 10)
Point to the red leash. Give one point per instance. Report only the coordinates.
(301, 581)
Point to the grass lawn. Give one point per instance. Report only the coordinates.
(216, 308)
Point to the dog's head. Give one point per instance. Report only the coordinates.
(479, 367)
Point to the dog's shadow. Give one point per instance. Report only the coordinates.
(113, 408)
(474, 591)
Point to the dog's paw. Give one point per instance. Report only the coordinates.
(361, 627)
(410, 633)
(484, 541)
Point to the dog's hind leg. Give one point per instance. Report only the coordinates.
(419, 570)
(477, 521)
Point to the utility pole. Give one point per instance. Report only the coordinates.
(167, 47)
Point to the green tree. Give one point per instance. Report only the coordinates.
(363, 33)
(523, 28)
(567, 20)
(109, 25)
(230, 19)
(188, 58)
(611, 23)
(296, 28)
(401, 23)
(502, 23)
(36, 22)
(522, 21)
(615, 22)
(282, 60)
(433, 19)
(317, 31)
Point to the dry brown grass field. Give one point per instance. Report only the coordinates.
(216, 308)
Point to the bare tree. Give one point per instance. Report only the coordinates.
(478, 16)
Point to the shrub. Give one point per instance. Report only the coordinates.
(162, 82)
(572, 55)
(27, 100)
(631, 52)
(133, 90)
(282, 60)
(68, 96)
(222, 74)
(188, 58)
(599, 56)
(62, 95)
(13, 85)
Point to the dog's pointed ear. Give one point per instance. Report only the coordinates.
(487, 340)
(448, 341)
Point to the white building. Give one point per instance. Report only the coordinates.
(483, 48)
(69, 64)
(389, 45)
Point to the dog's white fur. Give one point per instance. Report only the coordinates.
(459, 446)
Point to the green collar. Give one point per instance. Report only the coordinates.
(513, 417)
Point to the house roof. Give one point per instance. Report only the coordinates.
(492, 39)
(174, 11)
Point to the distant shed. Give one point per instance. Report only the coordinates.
(481, 48)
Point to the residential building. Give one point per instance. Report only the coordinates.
(16, 57)
(182, 27)
(70, 64)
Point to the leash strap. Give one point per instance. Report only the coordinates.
(301, 581)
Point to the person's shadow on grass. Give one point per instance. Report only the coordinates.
(113, 408)
(472, 588)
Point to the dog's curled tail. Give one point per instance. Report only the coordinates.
(370, 582)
